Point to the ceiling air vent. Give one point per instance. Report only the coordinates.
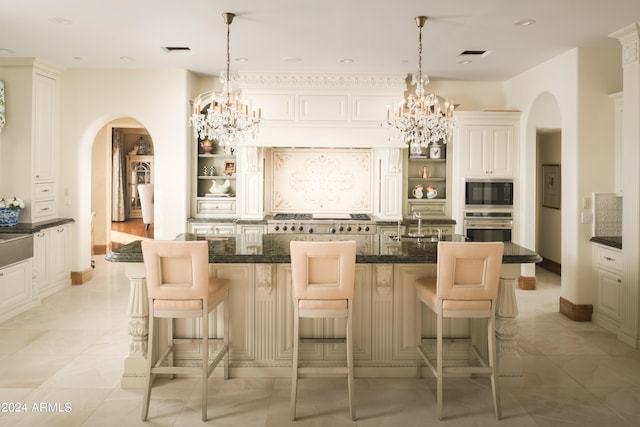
(481, 53)
(171, 49)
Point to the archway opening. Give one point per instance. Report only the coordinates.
(122, 159)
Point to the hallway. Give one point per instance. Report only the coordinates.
(68, 353)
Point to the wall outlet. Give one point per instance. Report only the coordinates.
(587, 217)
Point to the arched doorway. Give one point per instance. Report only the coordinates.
(544, 161)
(116, 215)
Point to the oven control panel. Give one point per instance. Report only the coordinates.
(321, 227)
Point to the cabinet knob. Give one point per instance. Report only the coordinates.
(609, 258)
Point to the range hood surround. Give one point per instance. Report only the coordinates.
(323, 110)
(331, 121)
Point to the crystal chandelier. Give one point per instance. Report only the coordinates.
(421, 119)
(223, 117)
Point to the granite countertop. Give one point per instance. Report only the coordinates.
(35, 227)
(612, 241)
(274, 249)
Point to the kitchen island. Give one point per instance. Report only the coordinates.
(262, 313)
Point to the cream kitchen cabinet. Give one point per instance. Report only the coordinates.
(488, 144)
(212, 228)
(607, 275)
(45, 145)
(488, 151)
(51, 260)
(30, 140)
(215, 183)
(15, 289)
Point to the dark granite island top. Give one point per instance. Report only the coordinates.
(274, 249)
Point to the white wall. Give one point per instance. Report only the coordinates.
(155, 98)
(580, 81)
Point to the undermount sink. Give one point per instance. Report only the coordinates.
(15, 248)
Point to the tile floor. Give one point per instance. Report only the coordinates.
(63, 361)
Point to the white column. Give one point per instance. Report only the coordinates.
(135, 364)
(509, 361)
(629, 37)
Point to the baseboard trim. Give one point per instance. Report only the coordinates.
(551, 266)
(527, 283)
(576, 312)
(80, 277)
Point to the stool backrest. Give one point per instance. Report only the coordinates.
(469, 270)
(176, 270)
(323, 270)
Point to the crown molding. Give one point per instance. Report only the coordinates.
(391, 82)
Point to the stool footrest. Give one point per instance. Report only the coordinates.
(322, 371)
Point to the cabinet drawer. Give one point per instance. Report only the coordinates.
(609, 258)
(216, 206)
(43, 209)
(44, 191)
(210, 229)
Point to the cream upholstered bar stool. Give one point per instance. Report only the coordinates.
(466, 286)
(323, 277)
(179, 286)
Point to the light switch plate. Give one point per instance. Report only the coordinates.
(587, 217)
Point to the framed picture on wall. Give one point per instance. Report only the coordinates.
(551, 186)
(229, 167)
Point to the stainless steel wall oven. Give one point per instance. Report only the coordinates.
(488, 225)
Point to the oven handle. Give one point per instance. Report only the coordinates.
(488, 224)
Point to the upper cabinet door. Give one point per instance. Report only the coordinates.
(476, 150)
(501, 164)
(45, 128)
(488, 151)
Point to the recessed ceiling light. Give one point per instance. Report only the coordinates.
(241, 59)
(464, 61)
(126, 58)
(291, 59)
(61, 21)
(346, 60)
(524, 22)
(5, 51)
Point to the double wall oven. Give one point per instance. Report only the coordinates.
(488, 212)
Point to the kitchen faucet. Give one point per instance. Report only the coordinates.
(419, 216)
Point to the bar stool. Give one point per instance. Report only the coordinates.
(322, 276)
(466, 286)
(179, 286)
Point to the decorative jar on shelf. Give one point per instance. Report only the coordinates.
(206, 145)
(417, 192)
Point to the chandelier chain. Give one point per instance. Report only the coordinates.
(420, 119)
(228, 120)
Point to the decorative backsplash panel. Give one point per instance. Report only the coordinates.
(607, 214)
(322, 181)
